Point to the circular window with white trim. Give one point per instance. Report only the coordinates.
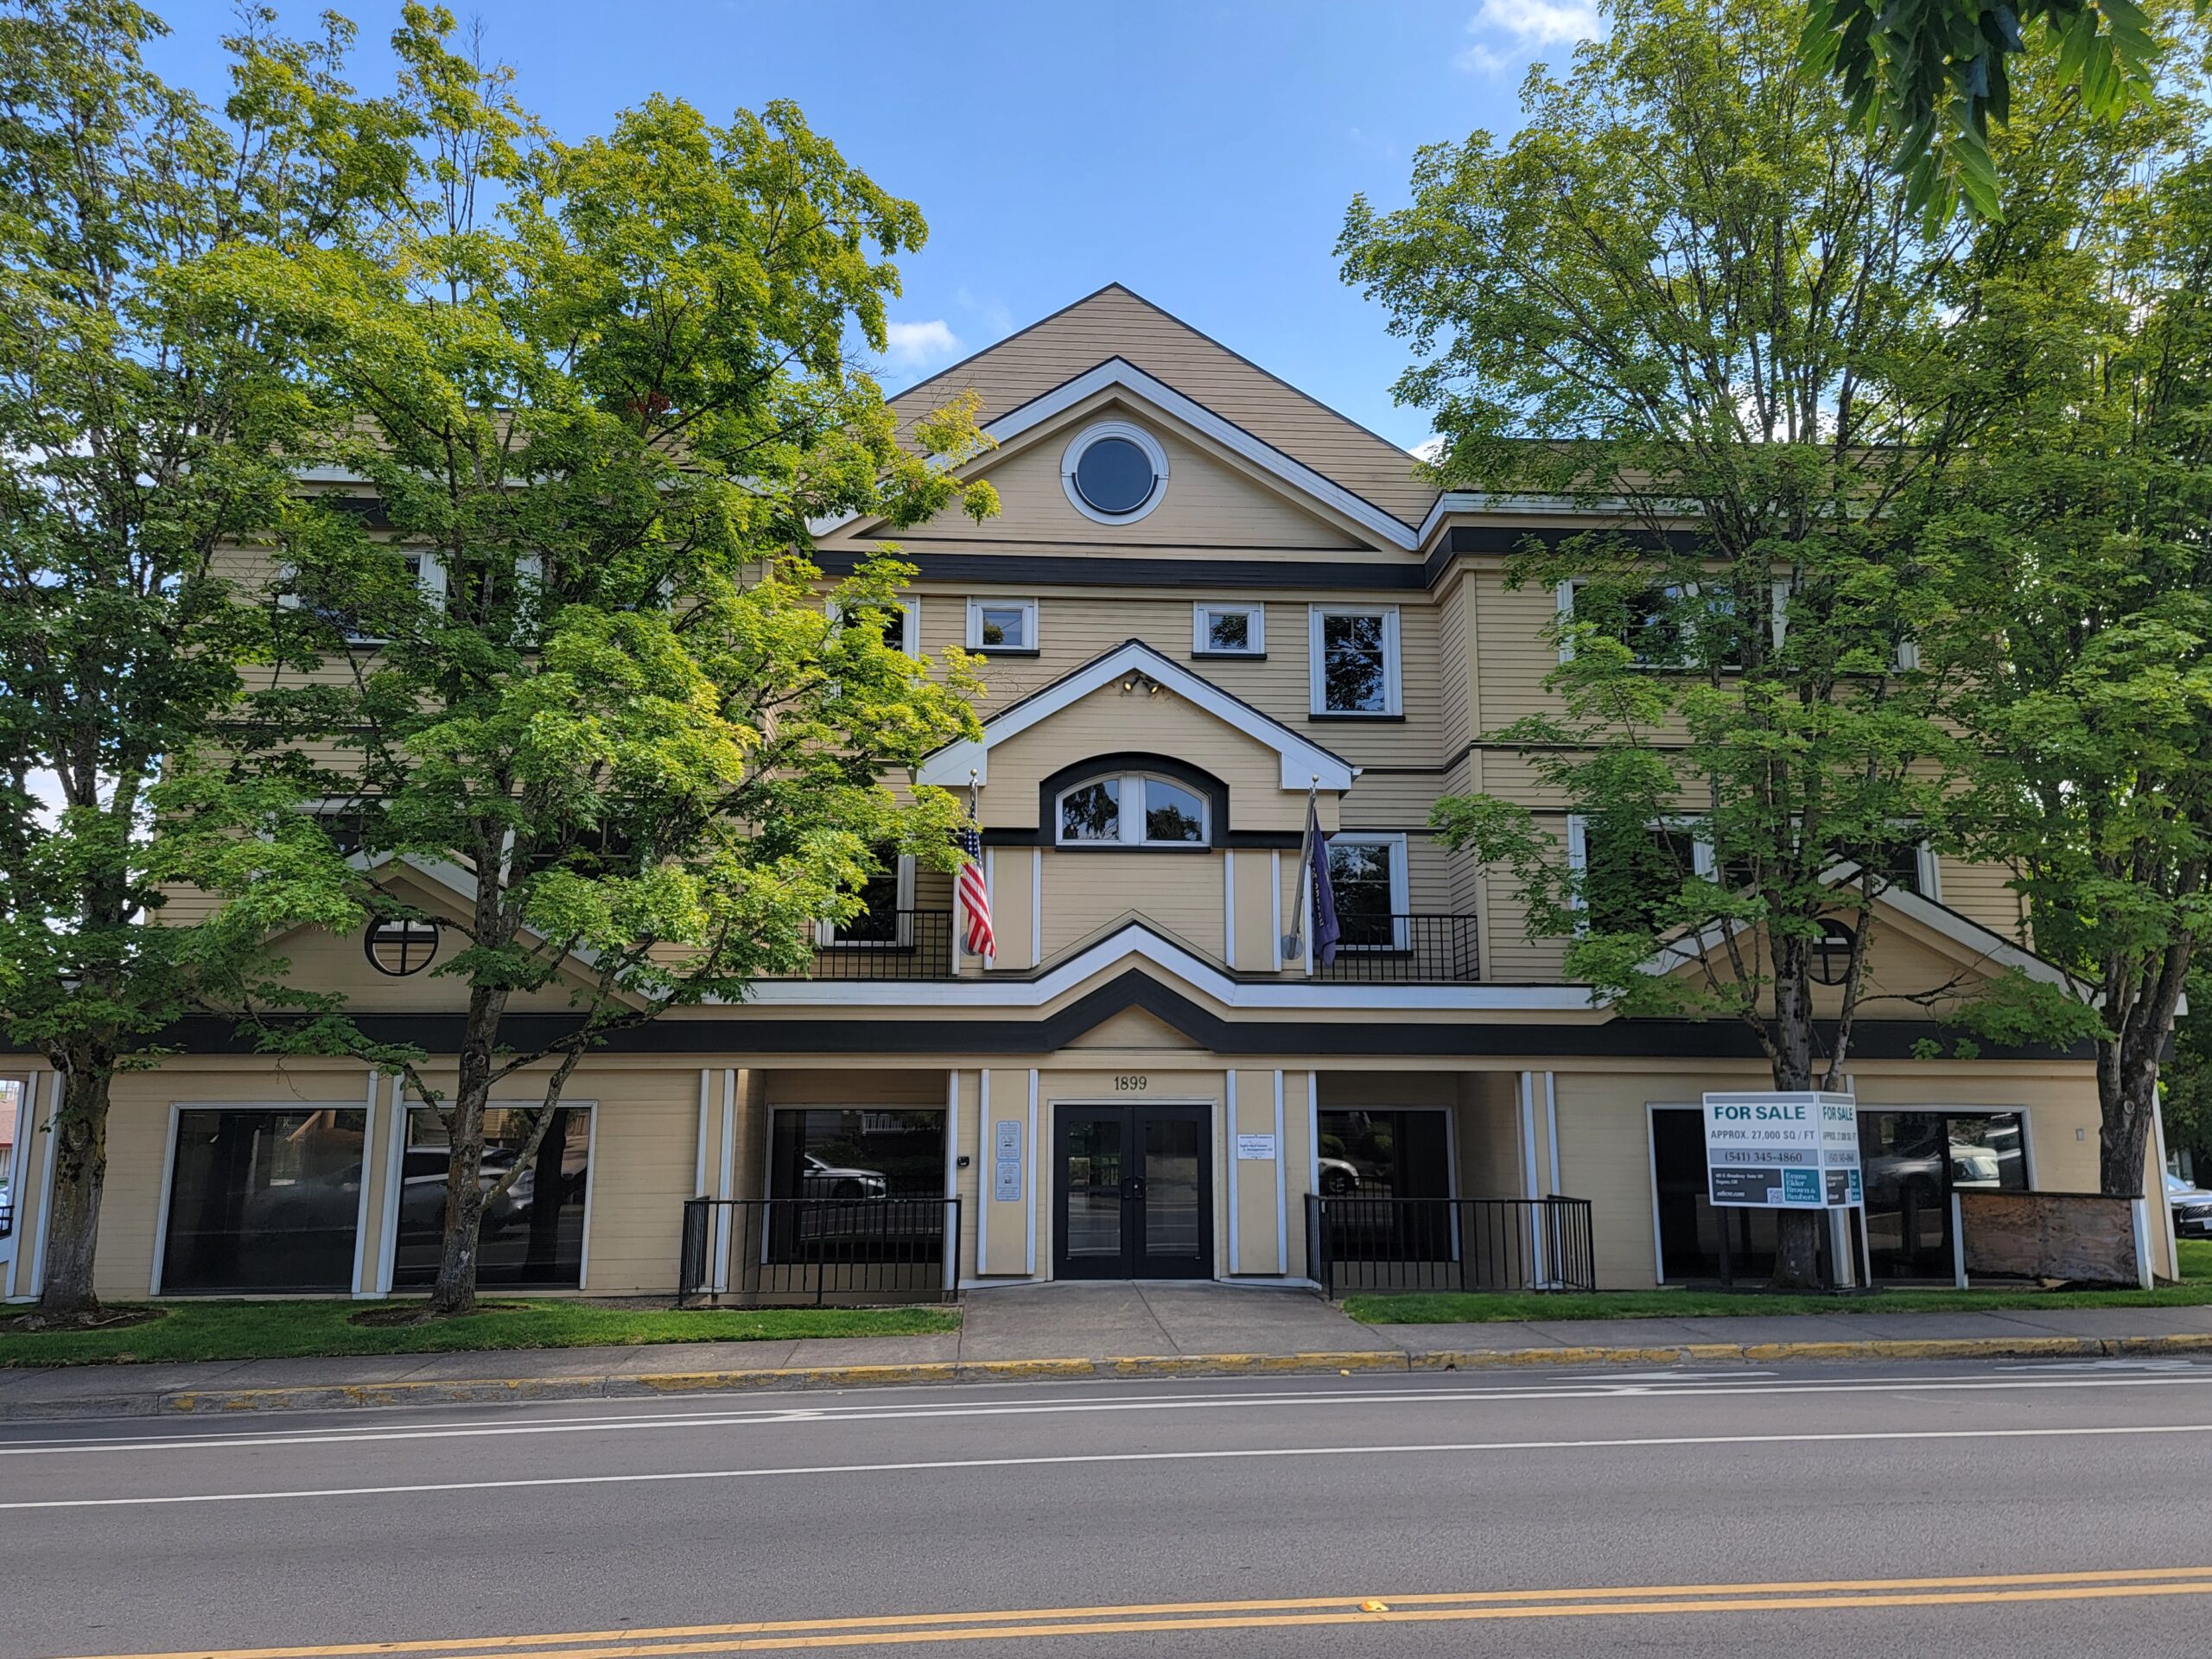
(1115, 472)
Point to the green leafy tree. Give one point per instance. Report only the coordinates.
(2078, 530)
(1690, 294)
(577, 664)
(1930, 77)
(143, 427)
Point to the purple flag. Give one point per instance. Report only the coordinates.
(1326, 933)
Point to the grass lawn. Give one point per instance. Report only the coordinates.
(214, 1330)
(1446, 1308)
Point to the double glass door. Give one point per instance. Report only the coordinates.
(1132, 1191)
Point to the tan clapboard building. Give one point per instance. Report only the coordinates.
(1208, 598)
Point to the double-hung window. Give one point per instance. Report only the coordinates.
(1002, 626)
(1367, 875)
(1629, 874)
(1668, 625)
(1132, 810)
(887, 911)
(902, 622)
(1354, 653)
(1229, 630)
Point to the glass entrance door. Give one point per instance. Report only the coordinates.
(1133, 1186)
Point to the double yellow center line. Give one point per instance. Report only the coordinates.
(1382, 1608)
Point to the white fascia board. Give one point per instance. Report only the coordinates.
(1548, 506)
(1119, 373)
(1134, 942)
(1302, 762)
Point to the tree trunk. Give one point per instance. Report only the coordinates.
(73, 1219)
(2128, 1093)
(1796, 1232)
(455, 1289)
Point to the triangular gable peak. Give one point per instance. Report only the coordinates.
(1302, 764)
(1113, 322)
(1938, 944)
(1078, 401)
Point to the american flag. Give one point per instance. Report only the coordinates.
(975, 898)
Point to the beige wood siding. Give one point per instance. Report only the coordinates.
(1113, 322)
(1207, 502)
(1179, 894)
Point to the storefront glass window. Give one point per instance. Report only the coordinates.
(856, 1154)
(263, 1201)
(1913, 1162)
(533, 1234)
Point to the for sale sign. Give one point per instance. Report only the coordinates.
(1782, 1150)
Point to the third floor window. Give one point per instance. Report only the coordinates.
(1355, 660)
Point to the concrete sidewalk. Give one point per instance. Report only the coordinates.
(1075, 1331)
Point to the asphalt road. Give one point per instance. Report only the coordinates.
(1927, 1511)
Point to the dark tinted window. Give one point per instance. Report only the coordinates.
(1171, 813)
(1114, 476)
(533, 1233)
(1092, 812)
(265, 1201)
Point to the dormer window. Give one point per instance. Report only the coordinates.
(1130, 810)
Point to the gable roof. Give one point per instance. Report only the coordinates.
(1304, 763)
(1973, 943)
(1117, 322)
(1118, 373)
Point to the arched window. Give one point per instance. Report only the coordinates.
(1130, 808)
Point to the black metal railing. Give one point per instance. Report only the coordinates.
(790, 1252)
(896, 944)
(7, 1215)
(1400, 1244)
(1409, 948)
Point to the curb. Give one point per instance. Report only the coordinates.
(647, 1385)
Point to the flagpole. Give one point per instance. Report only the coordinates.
(1306, 874)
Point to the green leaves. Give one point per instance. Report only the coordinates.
(1931, 78)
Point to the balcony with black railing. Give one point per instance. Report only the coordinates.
(887, 945)
(1407, 948)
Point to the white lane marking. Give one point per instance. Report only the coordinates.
(1240, 1454)
(1716, 1387)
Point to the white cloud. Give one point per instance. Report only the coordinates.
(1430, 450)
(1518, 27)
(917, 344)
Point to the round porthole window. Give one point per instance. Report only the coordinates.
(401, 948)
(1831, 964)
(1115, 472)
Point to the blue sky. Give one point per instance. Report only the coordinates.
(1202, 153)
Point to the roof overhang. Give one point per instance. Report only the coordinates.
(1975, 944)
(1305, 764)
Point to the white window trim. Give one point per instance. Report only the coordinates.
(1257, 623)
(1563, 596)
(1702, 861)
(975, 607)
(1143, 440)
(825, 932)
(429, 576)
(1131, 824)
(1400, 885)
(911, 609)
(1392, 704)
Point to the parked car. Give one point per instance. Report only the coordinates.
(2191, 1206)
(1339, 1179)
(819, 1179)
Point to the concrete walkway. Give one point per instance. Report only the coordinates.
(1075, 1331)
